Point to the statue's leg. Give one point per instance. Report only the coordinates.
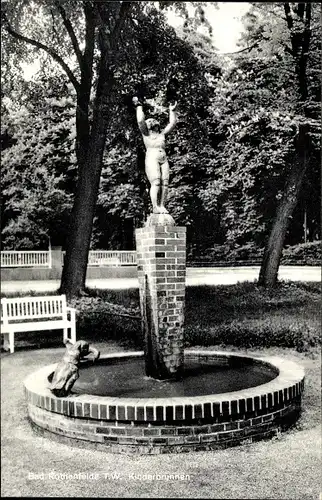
(155, 195)
(164, 186)
(152, 169)
(71, 382)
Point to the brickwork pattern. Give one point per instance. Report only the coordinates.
(161, 264)
(167, 439)
(174, 424)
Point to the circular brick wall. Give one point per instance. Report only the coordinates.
(165, 425)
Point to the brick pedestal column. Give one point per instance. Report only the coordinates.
(161, 262)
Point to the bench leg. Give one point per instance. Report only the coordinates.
(73, 333)
(65, 334)
(6, 343)
(12, 342)
(9, 342)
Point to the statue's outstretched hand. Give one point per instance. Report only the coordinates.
(136, 101)
(173, 106)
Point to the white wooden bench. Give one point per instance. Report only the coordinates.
(29, 314)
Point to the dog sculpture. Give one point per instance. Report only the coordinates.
(66, 373)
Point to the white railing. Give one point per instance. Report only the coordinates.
(103, 258)
(111, 258)
(43, 258)
(26, 258)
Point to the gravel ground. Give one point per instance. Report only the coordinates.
(34, 463)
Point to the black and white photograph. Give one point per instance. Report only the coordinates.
(161, 249)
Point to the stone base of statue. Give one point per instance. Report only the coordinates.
(159, 220)
(161, 264)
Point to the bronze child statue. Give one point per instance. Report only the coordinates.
(66, 373)
(156, 163)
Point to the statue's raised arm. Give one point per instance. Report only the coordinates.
(140, 116)
(172, 118)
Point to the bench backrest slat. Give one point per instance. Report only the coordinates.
(4, 311)
(22, 308)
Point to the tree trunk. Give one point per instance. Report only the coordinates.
(75, 264)
(274, 247)
(90, 167)
(91, 146)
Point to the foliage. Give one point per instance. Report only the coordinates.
(303, 254)
(124, 187)
(38, 168)
(147, 46)
(257, 334)
(300, 28)
(230, 153)
(88, 41)
(101, 320)
(230, 254)
(257, 110)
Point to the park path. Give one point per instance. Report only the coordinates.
(195, 277)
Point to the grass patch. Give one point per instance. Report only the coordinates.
(234, 317)
(245, 315)
(242, 315)
(287, 466)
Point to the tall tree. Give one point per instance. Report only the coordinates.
(103, 22)
(300, 26)
(93, 32)
(257, 115)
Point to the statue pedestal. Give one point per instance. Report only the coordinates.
(161, 263)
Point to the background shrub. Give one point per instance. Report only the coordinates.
(308, 254)
(305, 254)
(242, 315)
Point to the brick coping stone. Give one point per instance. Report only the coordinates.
(174, 424)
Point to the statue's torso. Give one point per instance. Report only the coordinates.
(155, 147)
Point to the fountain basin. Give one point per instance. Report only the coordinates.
(125, 378)
(168, 420)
